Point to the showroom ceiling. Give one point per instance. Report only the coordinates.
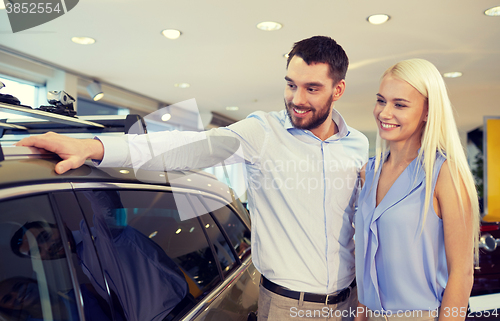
(228, 62)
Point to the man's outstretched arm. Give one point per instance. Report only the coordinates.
(168, 150)
(73, 151)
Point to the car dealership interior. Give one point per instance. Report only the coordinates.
(195, 65)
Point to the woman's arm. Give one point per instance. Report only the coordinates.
(458, 230)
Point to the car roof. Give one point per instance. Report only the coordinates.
(30, 166)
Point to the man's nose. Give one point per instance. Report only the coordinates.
(44, 252)
(299, 97)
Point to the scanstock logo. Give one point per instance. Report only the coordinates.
(26, 14)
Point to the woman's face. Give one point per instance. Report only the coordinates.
(400, 111)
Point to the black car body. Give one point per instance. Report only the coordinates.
(110, 246)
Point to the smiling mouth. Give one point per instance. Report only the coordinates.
(300, 112)
(388, 126)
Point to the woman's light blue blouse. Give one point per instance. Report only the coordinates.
(399, 266)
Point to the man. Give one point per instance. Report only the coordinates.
(302, 164)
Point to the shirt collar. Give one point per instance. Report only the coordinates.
(336, 117)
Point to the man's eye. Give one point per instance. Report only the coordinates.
(291, 86)
(399, 105)
(44, 236)
(312, 89)
(17, 287)
(6, 298)
(380, 101)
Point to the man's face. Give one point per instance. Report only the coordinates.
(48, 240)
(309, 93)
(19, 294)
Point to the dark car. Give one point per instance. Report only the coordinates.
(119, 244)
(484, 302)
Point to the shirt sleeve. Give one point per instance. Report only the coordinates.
(243, 141)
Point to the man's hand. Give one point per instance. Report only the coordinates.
(73, 151)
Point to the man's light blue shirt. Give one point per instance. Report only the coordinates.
(301, 190)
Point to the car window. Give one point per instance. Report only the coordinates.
(35, 279)
(224, 253)
(97, 299)
(155, 261)
(238, 233)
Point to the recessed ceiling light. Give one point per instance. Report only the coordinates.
(83, 40)
(493, 12)
(171, 33)
(166, 117)
(453, 74)
(182, 85)
(124, 171)
(269, 26)
(232, 108)
(377, 19)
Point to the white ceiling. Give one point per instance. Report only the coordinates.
(229, 62)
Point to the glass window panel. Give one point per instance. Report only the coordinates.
(27, 94)
(223, 250)
(237, 232)
(35, 282)
(155, 262)
(96, 297)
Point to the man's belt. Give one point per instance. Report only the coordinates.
(309, 297)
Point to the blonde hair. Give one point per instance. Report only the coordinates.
(440, 135)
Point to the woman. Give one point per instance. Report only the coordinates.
(418, 218)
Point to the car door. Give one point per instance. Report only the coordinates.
(98, 301)
(157, 265)
(36, 275)
(163, 254)
(239, 299)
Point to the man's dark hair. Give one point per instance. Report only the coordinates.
(17, 238)
(321, 49)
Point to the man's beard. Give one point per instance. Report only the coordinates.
(319, 116)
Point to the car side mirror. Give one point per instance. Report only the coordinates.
(488, 242)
